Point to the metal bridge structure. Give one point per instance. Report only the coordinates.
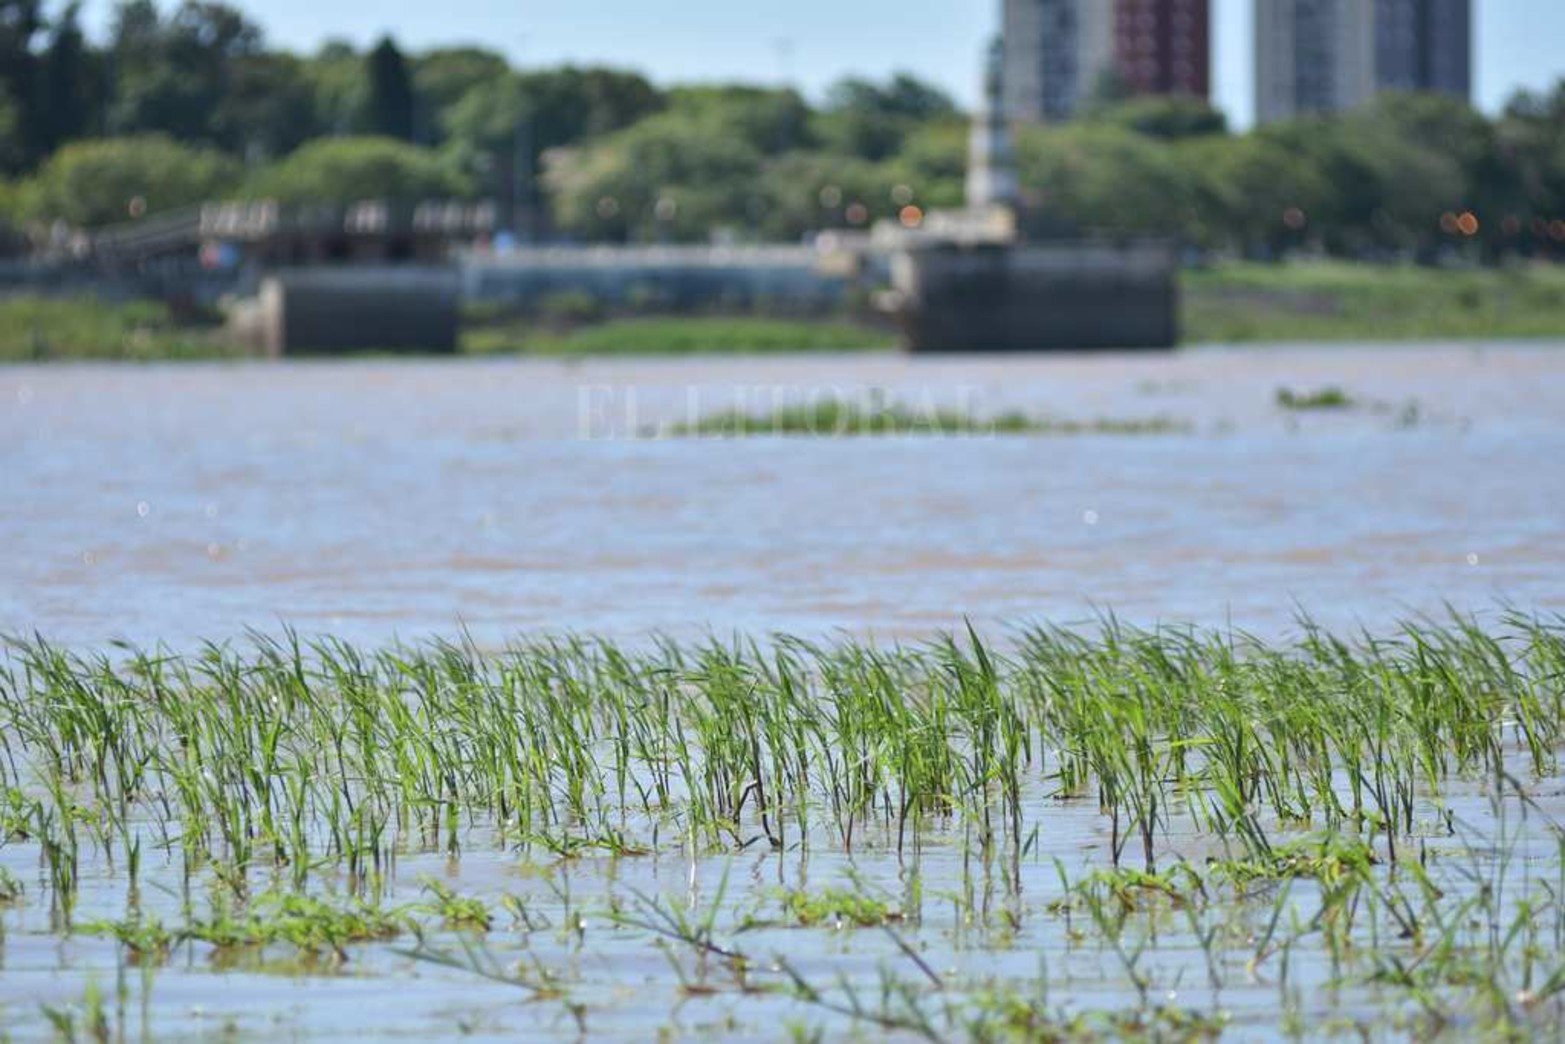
(277, 234)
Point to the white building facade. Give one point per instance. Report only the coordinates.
(1056, 52)
(1313, 56)
(1332, 55)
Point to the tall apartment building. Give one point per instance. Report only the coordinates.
(1164, 46)
(1330, 55)
(1313, 56)
(1424, 45)
(1057, 51)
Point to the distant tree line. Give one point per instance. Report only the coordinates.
(189, 104)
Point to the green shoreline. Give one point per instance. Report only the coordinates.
(1322, 302)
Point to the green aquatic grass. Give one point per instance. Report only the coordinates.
(316, 929)
(234, 758)
(1257, 799)
(11, 890)
(839, 906)
(454, 910)
(679, 335)
(834, 417)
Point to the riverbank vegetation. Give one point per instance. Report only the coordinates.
(1102, 834)
(54, 329)
(1336, 301)
(1225, 304)
(673, 335)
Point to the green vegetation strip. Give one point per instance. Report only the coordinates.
(1328, 398)
(679, 336)
(45, 329)
(839, 418)
(1234, 304)
(1340, 301)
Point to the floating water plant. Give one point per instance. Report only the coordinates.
(1330, 397)
(839, 906)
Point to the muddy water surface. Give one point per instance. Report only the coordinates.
(381, 499)
(376, 500)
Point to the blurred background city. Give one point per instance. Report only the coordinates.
(160, 163)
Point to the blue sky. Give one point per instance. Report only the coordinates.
(812, 42)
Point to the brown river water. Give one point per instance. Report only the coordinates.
(380, 499)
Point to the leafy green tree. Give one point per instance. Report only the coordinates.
(937, 151)
(933, 163)
(871, 122)
(268, 108)
(1110, 89)
(72, 82)
(682, 174)
(10, 203)
(96, 182)
(1492, 184)
(808, 192)
(1252, 195)
(350, 170)
(558, 107)
(1530, 157)
(1165, 118)
(339, 88)
(390, 112)
(21, 21)
(666, 178)
(171, 75)
(442, 78)
(1094, 179)
(1387, 192)
(11, 238)
(1417, 186)
(13, 154)
(502, 127)
(1440, 122)
(768, 120)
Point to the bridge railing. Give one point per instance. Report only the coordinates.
(260, 221)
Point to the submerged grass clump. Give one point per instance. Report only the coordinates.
(1373, 809)
(839, 906)
(1329, 398)
(834, 417)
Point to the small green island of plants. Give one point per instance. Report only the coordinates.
(1330, 397)
(877, 416)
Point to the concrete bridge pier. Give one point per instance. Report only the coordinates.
(344, 309)
(951, 297)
